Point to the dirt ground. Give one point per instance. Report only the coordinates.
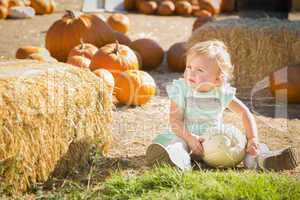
(134, 127)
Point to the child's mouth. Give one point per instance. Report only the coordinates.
(192, 81)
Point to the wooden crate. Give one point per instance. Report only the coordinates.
(265, 5)
(295, 5)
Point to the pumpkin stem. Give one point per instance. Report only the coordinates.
(81, 43)
(71, 14)
(116, 50)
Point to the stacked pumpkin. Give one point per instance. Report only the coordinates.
(20, 9)
(125, 60)
(180, 7)
(104, 48)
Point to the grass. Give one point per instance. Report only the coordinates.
(123, 181)
(169, 183)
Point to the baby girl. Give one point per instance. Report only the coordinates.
(197, 104)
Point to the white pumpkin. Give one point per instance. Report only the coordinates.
(224, 146)
(20, 12)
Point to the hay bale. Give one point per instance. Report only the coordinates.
(50, 115)
(257, 47)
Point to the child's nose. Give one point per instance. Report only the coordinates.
(191, 74)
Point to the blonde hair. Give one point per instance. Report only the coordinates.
(217, 50)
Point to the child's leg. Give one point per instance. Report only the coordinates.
(251, 162)
(175, 152)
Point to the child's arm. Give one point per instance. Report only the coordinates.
(178, 127)
(249, 123)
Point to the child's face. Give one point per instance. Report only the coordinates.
(202, 73)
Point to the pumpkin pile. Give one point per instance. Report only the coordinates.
(102, 47)
(120, 67)
(179, 7)
(20, 9)
(75, 27)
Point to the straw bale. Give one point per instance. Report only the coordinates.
(51, 114)
(257, 47)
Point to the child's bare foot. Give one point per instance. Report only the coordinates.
(285, 159)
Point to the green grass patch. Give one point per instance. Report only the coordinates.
(169, 183)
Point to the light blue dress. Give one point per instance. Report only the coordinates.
(202, 110)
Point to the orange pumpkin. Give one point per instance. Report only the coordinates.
(285, 84)
(195, 8)
(176, 57)
(166, 8)
(115, 58)
(151, 52)
(203, 17)
(227, 5)
(183, 8)
(79, 61)
(202, 13)
(4, 3)
(212, 6)
(25, 51)
(34, 53)
(129, 4)
(194, 2)
(3, 12)
(134, 87)
(83, 49)
(147, 7)
(43, 6)
(122, 38)
(119, 22)
(73, 27)
(14, 3)
(107, 77)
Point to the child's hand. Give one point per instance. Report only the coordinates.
(252, 147)
(195, 144)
